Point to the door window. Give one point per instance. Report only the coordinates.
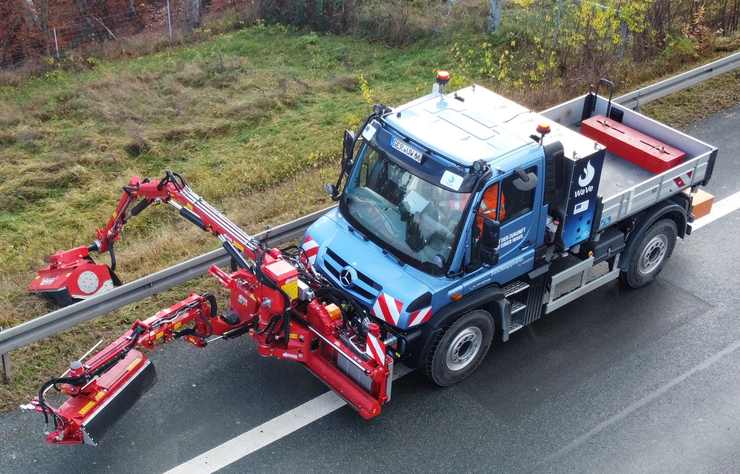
(515, 203)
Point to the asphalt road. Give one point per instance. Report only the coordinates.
(619, 381)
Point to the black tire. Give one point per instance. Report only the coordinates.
(649, 253)
(449, 358)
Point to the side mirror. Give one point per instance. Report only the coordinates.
(348, 146)
(332, 190)
(489, 241)
(524, 181)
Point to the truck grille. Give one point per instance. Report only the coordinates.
(363, 286)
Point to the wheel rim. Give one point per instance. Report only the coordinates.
(464, 348)
(653, 254)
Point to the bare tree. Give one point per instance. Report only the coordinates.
(494, 16)
(193, 10)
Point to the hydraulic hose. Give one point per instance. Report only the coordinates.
(112, 253)
(140, 206)
(45, 409)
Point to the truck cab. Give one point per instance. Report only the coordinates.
(407, 237)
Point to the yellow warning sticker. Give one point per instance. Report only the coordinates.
(88, 406)
(133, 364)
(99, 395)
(291, 288)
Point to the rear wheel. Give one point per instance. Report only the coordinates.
(650, 253)
(458, 351)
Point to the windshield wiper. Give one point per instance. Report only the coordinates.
(392, 257)
(430, 267)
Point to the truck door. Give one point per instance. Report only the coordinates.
(518, 215)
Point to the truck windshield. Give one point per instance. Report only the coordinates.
(415, 219)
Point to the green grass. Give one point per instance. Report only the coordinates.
(252, 118)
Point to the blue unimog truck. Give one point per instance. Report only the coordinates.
(414, 238)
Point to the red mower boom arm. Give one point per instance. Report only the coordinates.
(73, 275)
(275, 297)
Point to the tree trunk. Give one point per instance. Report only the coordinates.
(494, 16)
(192, 14)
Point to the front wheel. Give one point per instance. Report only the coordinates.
(650, 253)
(458, 351)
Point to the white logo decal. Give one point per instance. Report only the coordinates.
(509, 239)
(588, 175)
(451, 180)
(369, 132)
(88, 282)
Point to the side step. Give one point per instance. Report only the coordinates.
(516, 307)
(514, 288)
(529, 310)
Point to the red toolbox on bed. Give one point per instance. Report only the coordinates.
(629, 144)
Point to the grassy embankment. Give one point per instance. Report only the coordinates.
(252, 118)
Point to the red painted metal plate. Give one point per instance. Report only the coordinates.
(627, 143)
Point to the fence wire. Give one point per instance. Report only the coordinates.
(67, 33)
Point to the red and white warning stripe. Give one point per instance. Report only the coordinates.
(375, 348)
(388, 309)
(311, 249)
(420, 316)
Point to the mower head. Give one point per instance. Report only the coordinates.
(92, 407)
(72, 276)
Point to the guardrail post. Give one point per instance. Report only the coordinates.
(5, 362)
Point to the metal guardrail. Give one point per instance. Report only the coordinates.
(68, 317)
(679, 82)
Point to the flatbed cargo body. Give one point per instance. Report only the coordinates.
(626, 189)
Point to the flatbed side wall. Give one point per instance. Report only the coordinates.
(694, 171)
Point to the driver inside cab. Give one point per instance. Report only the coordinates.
(489, 207)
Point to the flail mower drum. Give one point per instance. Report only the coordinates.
(71, 276)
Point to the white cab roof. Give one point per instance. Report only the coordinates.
(476, 124)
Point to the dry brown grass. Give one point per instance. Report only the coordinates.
(697, 103)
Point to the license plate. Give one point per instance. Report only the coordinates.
(406, 149)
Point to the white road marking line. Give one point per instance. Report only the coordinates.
(719, 210)
(631, 408)
(302, 415)
(268, 432)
